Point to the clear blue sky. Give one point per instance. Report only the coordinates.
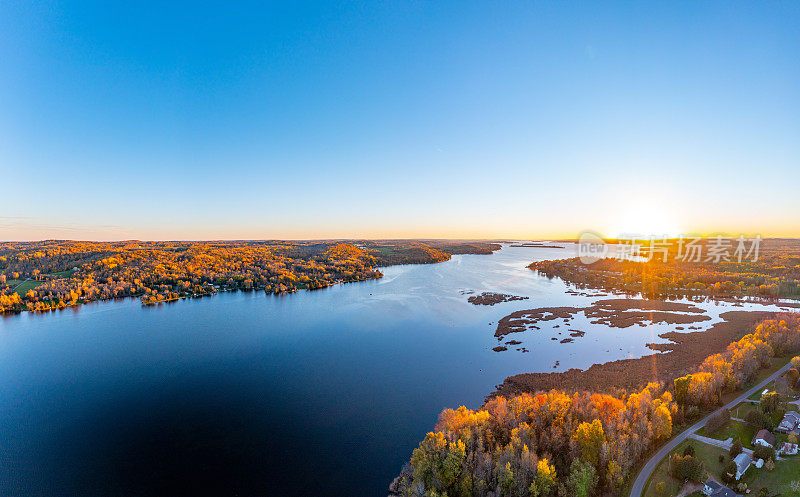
(192, 120)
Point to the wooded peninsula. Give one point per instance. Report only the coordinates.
(53, 274)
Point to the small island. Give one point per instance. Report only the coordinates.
(491, 298)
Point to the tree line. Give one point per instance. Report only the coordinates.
(776, 274)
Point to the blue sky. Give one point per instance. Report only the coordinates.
(175, 120)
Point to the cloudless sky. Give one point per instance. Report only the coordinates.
(203, 120)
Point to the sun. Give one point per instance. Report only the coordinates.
(645, 223)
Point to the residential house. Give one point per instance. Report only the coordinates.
(764, 438)
(742, 462)
(713, 488)
(788, 449)
(790, 421)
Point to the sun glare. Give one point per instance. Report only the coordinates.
(646, 223)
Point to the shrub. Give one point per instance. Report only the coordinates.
(661, 488)
(765, 453)
(729, 473)
(686, 468)
(758, 419)
(736, 448)
(689, 450)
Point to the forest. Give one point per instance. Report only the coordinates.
(775, 274)
(581, 444)
(53, 274)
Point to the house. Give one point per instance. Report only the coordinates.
(764, 439)
(713, 488)
(742, 462)
(790, 421)
(788, 449)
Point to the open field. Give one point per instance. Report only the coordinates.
(732, 429)
(62, 274)
(24, 286)
(741, 410)
(708, 454)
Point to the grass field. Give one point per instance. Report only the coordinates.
(777, 480)
(732, 429)
(24, 286)
(62, 274)
(741, 410)
(708, 454)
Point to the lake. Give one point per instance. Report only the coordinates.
(314, 393)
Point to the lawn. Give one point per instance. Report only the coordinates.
(23, 287)
(732, 429)
(777, 481)
(757, 396)
(707, 453)
(62, 274)
(741, 410)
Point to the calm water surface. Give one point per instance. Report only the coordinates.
(315, 393)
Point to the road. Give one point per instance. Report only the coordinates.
(641, 479)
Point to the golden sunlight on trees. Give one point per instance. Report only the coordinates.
(69, 273)
(776, 274)
(543, 444)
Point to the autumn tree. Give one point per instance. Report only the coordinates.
(545, 481)
(582, 478)
(770, 402)
(590, 437)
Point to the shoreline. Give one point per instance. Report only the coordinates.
(678, 358)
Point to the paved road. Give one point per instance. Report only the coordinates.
(641, 479)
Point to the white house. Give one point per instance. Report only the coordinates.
(764, 439)
(742, 462)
